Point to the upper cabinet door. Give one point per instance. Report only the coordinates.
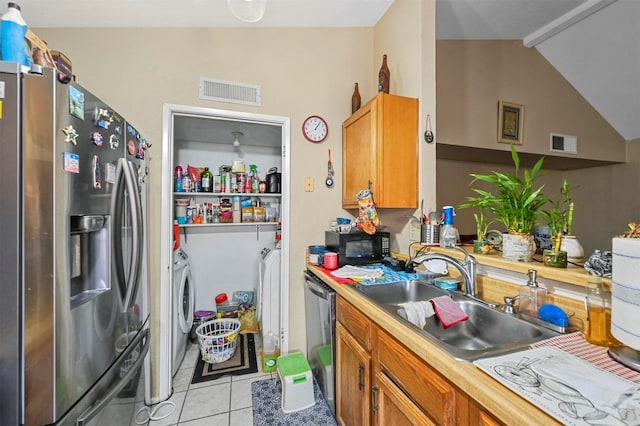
(380, 152)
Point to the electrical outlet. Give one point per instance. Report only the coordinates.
(308, 184)
(414, 231)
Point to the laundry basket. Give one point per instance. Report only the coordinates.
(218, 339)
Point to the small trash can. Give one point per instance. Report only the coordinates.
(199, 318)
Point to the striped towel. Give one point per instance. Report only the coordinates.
(575, 344)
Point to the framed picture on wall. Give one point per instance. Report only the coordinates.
(510, 122)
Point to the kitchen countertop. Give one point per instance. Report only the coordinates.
(501, 402)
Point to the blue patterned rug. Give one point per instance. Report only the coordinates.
(267, 398)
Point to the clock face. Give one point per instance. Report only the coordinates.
(315, 129)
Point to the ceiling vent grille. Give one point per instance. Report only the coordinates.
(564, 143)
(229, 91)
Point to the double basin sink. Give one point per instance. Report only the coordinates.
(487, 332)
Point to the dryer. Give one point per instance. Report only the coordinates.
(183, 302)
(268, 306)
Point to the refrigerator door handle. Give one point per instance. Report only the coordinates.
(91, 412)
(125, 180)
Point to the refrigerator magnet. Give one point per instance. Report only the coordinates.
(70, 134)
(131, 147)
(97, 181)
(114, 141)
(97, 139)
(110, 173)
(76, 103)
(70, 162)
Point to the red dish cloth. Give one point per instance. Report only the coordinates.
(447, 311)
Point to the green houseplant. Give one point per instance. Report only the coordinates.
(560, 221)
(560, 215)
(482, 222)
(515, 201)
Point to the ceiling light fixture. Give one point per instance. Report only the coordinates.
(247, 10)
(236, 138)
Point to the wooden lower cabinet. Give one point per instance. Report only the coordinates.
(391, 406)
(353, 380)
(381, 382)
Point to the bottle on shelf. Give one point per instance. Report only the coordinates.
(356, 100)
(206, 180)
(253, 177)
(178, 179)
(384, 76)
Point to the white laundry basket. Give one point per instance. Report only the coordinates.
(218, 339)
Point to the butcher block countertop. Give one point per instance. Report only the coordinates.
(501, 402)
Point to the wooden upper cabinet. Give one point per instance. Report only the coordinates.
(380, 152)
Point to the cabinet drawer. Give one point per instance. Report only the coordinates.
(355, 321)
(430, 391)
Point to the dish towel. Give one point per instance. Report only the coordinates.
(447, 311)
(355, 272)
(418, 312)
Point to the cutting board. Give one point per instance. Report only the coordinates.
(568, 388)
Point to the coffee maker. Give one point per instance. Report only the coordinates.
(273, 181)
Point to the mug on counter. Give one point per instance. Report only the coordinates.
(330, 260)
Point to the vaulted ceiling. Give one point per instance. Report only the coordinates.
(594, 44)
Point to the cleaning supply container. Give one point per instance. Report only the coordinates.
(270, 353)
(294, 373)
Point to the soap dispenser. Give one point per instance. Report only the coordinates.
(532, 296)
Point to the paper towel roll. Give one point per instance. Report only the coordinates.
(625, 291)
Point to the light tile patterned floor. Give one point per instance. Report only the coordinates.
(222, 402)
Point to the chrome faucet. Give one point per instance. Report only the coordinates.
(466, 266)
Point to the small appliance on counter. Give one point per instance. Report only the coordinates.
(358, 248)
(273, 181)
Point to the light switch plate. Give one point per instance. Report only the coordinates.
(308, 184)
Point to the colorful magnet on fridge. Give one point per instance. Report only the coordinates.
(97, 139)
(118, 130)
(114, 141)
(70, 134)
(76, 103)
(97, 181)
(101, 117)
(131, 146)
(140, 152)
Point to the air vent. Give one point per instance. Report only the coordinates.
(229, 91)
(564, 143)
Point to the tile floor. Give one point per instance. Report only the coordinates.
(222, 402)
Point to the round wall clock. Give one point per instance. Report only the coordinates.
(315, 129)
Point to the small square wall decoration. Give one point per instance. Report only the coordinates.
(510, 123)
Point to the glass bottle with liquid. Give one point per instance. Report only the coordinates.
(206, 180)
(598, 303)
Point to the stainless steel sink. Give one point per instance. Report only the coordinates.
(487, 332)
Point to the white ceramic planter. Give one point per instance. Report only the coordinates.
(570, 244)
(518, 247)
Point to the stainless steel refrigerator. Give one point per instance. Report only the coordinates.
(74, 331)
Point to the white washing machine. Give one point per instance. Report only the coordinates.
(183, 306)
(268, 306)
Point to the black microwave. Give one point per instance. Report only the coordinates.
(358, 248)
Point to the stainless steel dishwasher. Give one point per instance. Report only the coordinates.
(320, 313)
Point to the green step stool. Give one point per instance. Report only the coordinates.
(297, 382)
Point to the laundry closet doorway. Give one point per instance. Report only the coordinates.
(224, 257)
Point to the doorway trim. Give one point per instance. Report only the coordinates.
(162, 357)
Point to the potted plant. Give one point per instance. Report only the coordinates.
(515, 201)
(482, 222)
(560, 221)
